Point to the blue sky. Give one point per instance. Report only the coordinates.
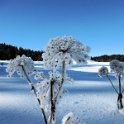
(96, 23)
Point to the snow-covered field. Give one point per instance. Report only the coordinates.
(89, 97)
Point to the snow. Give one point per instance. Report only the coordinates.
(91, 67)
(89, 97)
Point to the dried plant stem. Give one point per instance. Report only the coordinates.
(53, 108)
(55, 99)
(62, 81)
(119, 80)
(35, 92)
(119, 92)
(66, 122)
(112, 84)
(120, 95)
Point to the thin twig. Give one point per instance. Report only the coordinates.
(62, 81)
(112, 84)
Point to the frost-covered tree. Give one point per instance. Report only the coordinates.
(24, 66)
(117, 68)
(60, 52)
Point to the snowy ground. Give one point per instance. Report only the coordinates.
(90, 98)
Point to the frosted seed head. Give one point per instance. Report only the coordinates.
(117, 67)
(66, 49)
(103, 71)
(16, 64)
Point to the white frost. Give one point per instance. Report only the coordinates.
(117, 67)
(16, 64)
(65, 49)
(44, 88)
(103, 71)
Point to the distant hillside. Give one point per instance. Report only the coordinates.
(108, 58)
(8, 52)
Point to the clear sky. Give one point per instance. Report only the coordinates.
(96, 23)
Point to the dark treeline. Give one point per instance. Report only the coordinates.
(108, 58)
(8, 52)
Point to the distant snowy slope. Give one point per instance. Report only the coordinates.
(91, 66)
